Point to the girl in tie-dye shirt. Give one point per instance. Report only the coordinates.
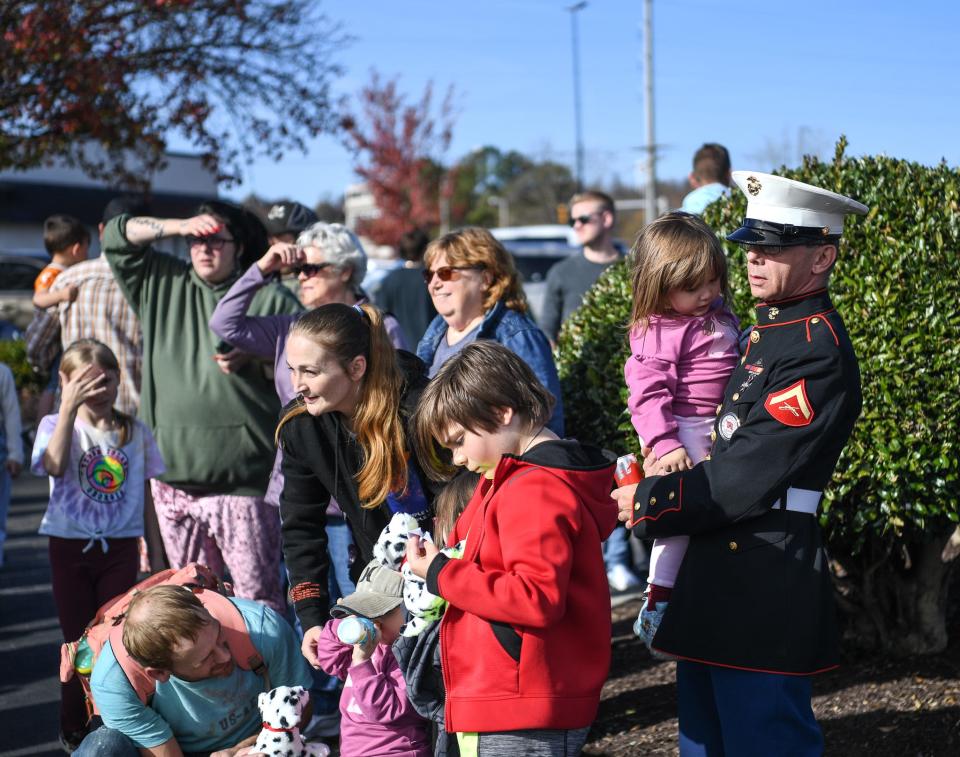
(100, 462)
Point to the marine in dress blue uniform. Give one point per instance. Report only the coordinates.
(752, 616)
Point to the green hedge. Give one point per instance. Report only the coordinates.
(13, 352)
(896, 287)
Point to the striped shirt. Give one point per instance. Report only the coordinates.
(100, 312)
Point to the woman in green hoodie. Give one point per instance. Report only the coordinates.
(210, 407)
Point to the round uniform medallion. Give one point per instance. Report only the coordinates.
(728, 424)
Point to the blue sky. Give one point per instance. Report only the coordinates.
(763, 78)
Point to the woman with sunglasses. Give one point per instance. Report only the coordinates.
(476, 290)
(209, 407)
(329, 263)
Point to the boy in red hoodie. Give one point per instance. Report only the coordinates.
(525, 641)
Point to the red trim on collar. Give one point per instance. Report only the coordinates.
(791, 299)
(268, 727)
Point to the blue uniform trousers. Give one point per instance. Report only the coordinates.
(740, 713)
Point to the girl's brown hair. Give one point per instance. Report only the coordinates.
(347, 332)
(676, 251)
(475, 246)
(471, 390)
(85, 352)
(450, 501)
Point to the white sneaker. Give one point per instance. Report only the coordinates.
(621, 578)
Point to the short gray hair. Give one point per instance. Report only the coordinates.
(340, 247)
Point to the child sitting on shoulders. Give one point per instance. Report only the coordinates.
(68, 242)
(376, 718)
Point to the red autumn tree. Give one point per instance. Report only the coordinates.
(90, 81)
(399, 148)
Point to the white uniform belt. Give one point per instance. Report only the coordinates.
(802, 500)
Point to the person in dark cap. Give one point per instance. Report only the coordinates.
(285, 220)
(752, 617)
(213, 430)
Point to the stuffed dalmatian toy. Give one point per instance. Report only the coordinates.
(390, 548)
(281, 709)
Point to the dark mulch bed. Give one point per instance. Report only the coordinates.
(870, 706)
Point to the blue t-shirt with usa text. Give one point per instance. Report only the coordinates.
(207, 715)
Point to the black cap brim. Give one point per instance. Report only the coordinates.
(768, 234)
(746, 235)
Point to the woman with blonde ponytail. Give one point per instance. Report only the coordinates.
(345, 436)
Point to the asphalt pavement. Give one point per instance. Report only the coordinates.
(29, 632)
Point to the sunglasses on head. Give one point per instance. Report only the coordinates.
(309, 269)
(214, 243)
(584, 219)
(448, 272)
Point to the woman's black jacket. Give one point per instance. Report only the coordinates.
(321, 458)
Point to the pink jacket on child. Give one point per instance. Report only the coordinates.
(376, 718)
(679, 367)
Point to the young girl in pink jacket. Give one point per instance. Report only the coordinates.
(684, 346)
(376, 717)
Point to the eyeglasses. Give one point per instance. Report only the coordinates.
(770, 250)
(309, 269)
(449, 272)
(213, 243)
(584, 219)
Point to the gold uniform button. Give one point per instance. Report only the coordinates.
(636, 506)
(706, 457)
(653, 501)
(754, 336)
(671, 495)
(713, 436)
(814, 320)
(736, 396)
(733, 546)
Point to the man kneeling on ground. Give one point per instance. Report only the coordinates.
(204, 703)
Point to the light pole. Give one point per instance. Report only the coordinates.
(651, 193)
(574, 9)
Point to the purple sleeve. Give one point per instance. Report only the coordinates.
(381, 693)
(153, 464)
(334, 656)
(394, 331)
(651, 375)
(257, 335)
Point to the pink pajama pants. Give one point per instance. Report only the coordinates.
(668, 552)
(241, 534)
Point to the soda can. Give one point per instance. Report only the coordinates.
(628, 470)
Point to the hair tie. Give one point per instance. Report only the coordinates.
(363, 313)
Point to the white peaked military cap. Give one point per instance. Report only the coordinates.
(786, 212)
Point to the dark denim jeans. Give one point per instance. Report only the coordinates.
(106, 742)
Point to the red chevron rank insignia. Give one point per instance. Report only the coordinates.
(790, 406)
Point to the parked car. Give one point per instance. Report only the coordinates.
(18, 269)
(535, 250)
